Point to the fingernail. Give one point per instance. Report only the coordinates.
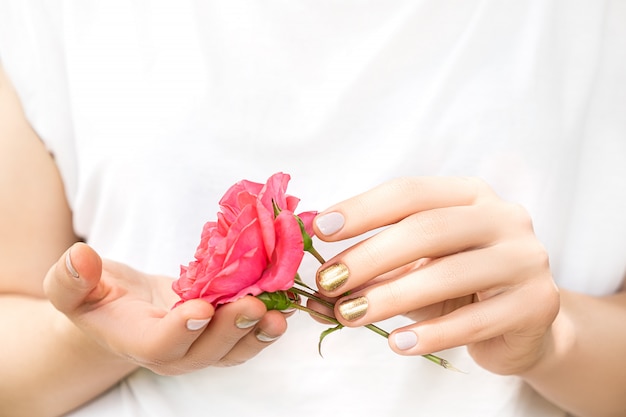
(333, 277)
(244, 322)
(354, 308)
(193, 324)
(69, 266)
(264, 337)
(330, 223)
(405, 340)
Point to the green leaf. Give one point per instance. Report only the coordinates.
(278, 300)
(326, 333)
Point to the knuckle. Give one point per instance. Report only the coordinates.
(361, 207)
(406, 185)
(540, 254)
(370, 254)
(395, 296)
(478, 320)
(547, 296)
(517, 215)
(531, 257)
(450, 272)
(479, 187)
(438, 337)
(429, 225)
(407, 188)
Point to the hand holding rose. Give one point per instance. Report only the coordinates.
(461, 262)
(465, 265)
(128, 316)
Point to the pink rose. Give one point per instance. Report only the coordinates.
(249, 249)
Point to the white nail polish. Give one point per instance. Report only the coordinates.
(405, 340)
(69, 266)
(330, 223)
(193, 324)
(264, 337)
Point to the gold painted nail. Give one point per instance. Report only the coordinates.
(354, 308)
(333, 277)
(244, 322)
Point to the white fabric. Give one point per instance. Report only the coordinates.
(153, 108)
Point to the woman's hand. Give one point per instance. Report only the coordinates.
(129, 314)
(461, 262)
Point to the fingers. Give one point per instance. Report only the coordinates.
(194, 335)
(430, 234)
(393, 201)
(65, 286)
(486, 272)
(237, 332)
(116, 306)
(268, 330)
(485, 321)
(168, 338)
(450, 254)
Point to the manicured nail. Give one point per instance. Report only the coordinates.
(333, 277)
(193, 324)
(264, 337)
(69, 266)
(330, 223)
(405, 340)
(354, 308)
(244, 322)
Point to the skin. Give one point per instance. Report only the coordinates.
(463, 263)
(58, 328)
(466, 265)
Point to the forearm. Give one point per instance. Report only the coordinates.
(583, 366)
(49, 366)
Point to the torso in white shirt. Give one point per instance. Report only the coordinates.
(153, 109)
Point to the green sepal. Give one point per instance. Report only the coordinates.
(306, 238)
(326, 333)
(276, 208)
(275, 300)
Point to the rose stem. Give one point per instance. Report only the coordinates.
(316, 254)
(433, 358)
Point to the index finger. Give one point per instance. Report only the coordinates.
(393, 201)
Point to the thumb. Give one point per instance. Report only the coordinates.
(73, 278)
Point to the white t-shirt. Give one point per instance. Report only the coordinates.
(153, 109)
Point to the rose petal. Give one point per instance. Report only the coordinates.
(274, 190)
(242, 273)
(250, 248)
(281, 273)
(266, 221)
